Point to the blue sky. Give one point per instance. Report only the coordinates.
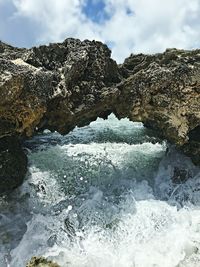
(130, 26)
(95, 11)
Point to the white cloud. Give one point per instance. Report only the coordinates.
(133, 25)
(154, 25)
(57, 19)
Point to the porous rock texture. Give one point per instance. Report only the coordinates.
(41, 262)
(54, 87)
(163, 91)
(70, 84)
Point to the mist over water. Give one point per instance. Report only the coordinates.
(103, 196)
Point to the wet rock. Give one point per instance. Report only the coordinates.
(41, 262)
(13, 164)
(180, 175)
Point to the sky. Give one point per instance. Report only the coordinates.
(126, 26)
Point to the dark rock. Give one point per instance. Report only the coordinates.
(13, 164)
(180, 175)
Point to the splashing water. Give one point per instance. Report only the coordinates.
(103, 196)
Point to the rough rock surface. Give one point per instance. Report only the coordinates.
(56, 87)
(69, 84)
(163, 91)
(41, 262)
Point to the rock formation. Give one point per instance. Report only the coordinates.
(163, 91)
(53, 87)
(41, 262)
(69, 84)
(13, 163)
(56, 87)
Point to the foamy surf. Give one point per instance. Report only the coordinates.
(92, 199)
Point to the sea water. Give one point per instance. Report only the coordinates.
(103, 196)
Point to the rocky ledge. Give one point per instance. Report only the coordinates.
(63, 85)
(163, 91)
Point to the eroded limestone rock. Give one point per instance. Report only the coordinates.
(163, 91)
(63, 85)
(41, 262)
(56, 87)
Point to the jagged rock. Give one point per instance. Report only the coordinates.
(63, 85)
(163, 91)
(41, 262)
(56, 87)
(13, 162)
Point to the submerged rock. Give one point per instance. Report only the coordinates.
(180, 175)
(41, 262)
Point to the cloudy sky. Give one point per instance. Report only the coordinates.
(125, 25)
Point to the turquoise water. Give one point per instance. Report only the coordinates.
(103, 196)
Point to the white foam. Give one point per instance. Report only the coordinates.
(108, 204)
(155, 234)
